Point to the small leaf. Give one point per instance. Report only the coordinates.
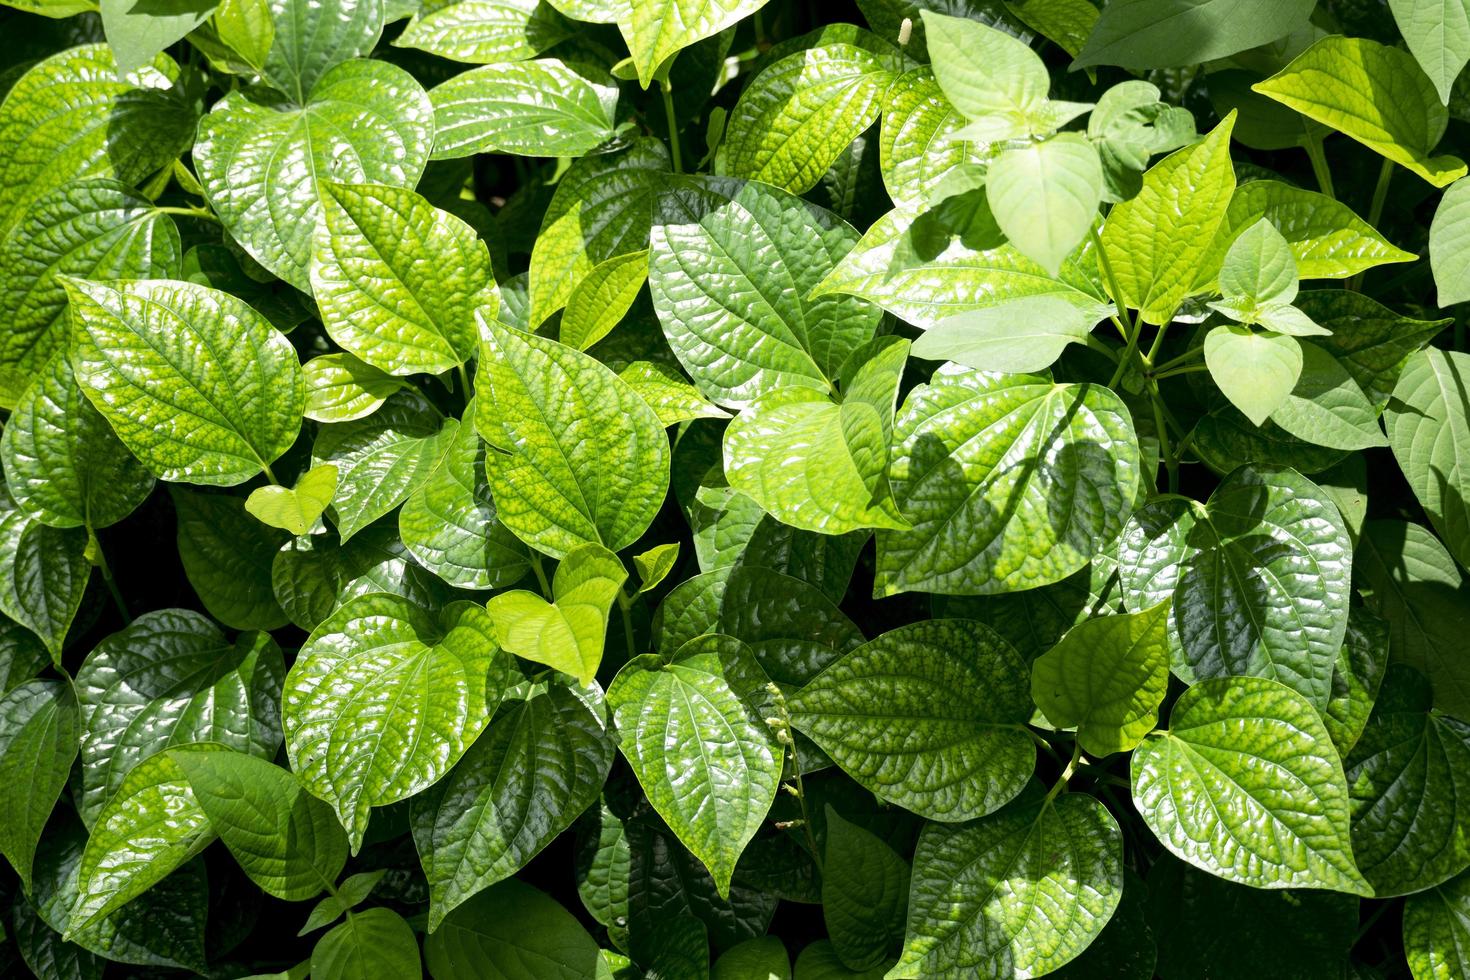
(352, 892)
(865, 891)
(567, 636)
(340, 388)
(39, 730)
(1449, 245)
(43, 574)
(373, 943)
(1022, 336)
(602, 298)
(1428, 422)
(654, 565)
(298, 509)
(993, 79)
(515, 932)
(543, 108)
(1256, 370)
(656, 29)
(1045, 196)
(1438, 34)
(1258, 268)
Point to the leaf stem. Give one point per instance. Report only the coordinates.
(541, 577)
(673, 120)
(1066, 775)
(266, 469)
(1171, 464)
(1182, 369)
(1110, 280)
(188, 213)
(625, 604)
(1313, 146)
(1375, 209)
(107, 578)
(1192, 354)
(464, 383)
(1041, 743)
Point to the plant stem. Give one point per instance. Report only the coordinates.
(464, 383)
(266, 469)
(1170, 463)
(1066, 775)
(188, 213)
(625, 604)
(541, 577)
(1319, 165)
(673, 125)
(1109, 279)
(1173, 362)
(1182, 369)
(1041, 743)
(1128, 352)
(1380, 193)
(107, 578)
(781, 723)
(1102, 348)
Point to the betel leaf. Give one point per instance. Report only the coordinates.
(1449, 244)
(732, 270)
(755, 959)
(1045, 196)
(995, 81)
(310, 39)
(578, 457)
(485, 32)
(139, 33)
(295, 509)
(1367, 338)
(538, 766)
(1438, 34)
(533, 108)
(1020, 337)
(385, 697)
(915, 145)
(1373, 93)
(397, 280)
(39, 729)
(352, 892)
(1245, 784)
(246, 28)
(1361, 664)
(216, 420)
(979, 460)
(568, 633)
(601, 299)
(227, 556)
(1128, 126)
(1437, 930)
(865, 891)
(372, 943)
(171, 678)
(340, 388)
(285, 839)
(1428, 421)
(670, 395)
(1259, 577)
(1255, 369)
(1106, 677)
(313, 575)
(654, 565)
(1142, 34)
(1047, 874)
(96, 229)
(1326, 407)
(929, 716)
(43, 574)
(263, 162)
(817, 465)
(514, 931)
(692, 730)
(657, 29)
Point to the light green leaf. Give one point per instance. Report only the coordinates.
(385, 697)
(692, 730)
(983, 525)
(656, 29)
(340, 388)
(373, 943)
(1128, 126)
(63, 463)
(92, 229)
(929, 716)
(139, 33)
(672, 398)
(1449, 245)
(1256, 370)
(916, 148)
(1259, 269)
(1367, 338)
(579, 457)
(1428, 422)
(1438, 34)
(654, 565)
(865, 892)
(1246, 785)
(298, 509)
(817, 465)
(991, 78)
(136, 356)
(382, 459)
(39, 729)
(541, 108)
(285, 839)
(227, 557)
(1018, 893)
(1107, 678)
(602, 298)
(263, 164)
(43, 574)
(310, 38)
(170, 679)
(1373, 93)
(1355, 681)
(1437, 931)
(1141, 34)
(732, 271)
(515, 932)
(569, 635)
(352, 892)
(1156, 241)
(398, 280)
(484, 32)
(540, 764)
(314, 575)
(1020, 337)
(1045, 196)
(1326, 407)
(1259, 577)
(246, 28)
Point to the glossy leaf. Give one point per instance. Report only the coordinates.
(1428, 421)
(533, 108)
(1020, 337)
(915, 146)
(227, 556)
(314, 575)
(370, 943)
(865, 890)
(566, 634)
(309, 40)
(1437, 931)
(39, 730)
(340, 388)
(298, 508)
(484, 32)
(656, 30)
(601, 299)
(43, 574)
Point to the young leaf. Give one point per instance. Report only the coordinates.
(515, 932)
(1246, 785)
(352, 892)
(1258, 269)
(928, 716)
(1045, 196)
(1428, 422)
(1326, 407)
(1020, 337)
(372, 943)
(227, 556)
(654, 565)
(994, 80)
(567, 636)
(865, 892)
(340, 388)
(655, 30)
(298, 509)
(1128, 126)
(485, 32)
(1437, 931)
(39, 729)
(311, 38)
(540, 108)
(137, 34)
(1256, 370)
(385, 697)
(43, 574)
(692, 730)
(755, 959)
(1142, 34)
(1438, 34)
(601, 299)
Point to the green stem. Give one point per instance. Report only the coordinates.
(1367, 927)
(1066, 775)
(464, 383)
(1041, 743)
(188, 213)
(1109, 279)
(1192, 354)
(1380, 192)
(1319, 164)
(107, 578)
(1182, 369)
(1096, 344)
(1170, 463)
(626, 605)
(673, 125)
(266, 469)
(541, 577)
(1128, 352)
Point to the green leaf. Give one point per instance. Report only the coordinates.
(1438, 34)
(865, 892)
(95, 229)
(579, 457)
(62, 461)
(801, 111)
(246, 28)
(602, 298)
(372, 943)
(755, 959)
(1255, 369)
(1368, 339)
(1373, 93)
(1409, 776)
(1437, 931)
(299, 508)
(1128, 126)
(352, 892)
(817, 465)
(1428, 422)
(732, 270)
(1156, 241)
(314, 575)
(1142, 34)
(1107, 678)
(136, 358)
(819, 961)
(990, 77)
(515, 932)
(22, 655)
(397, 280)
(285, 839)
(929, 716)
(227, 556)
(536, 108)
(1020, 337)
(1449, 244)
(1018, 893)
(385, 697)
(1413, 583)
(1259, 269)
(340, 388)
(139, 33)
(1259, 578)
(1246, 785)
(1045, 196)
(485, 32)
(264, 163)
(692, 731)
(43, 574)
(915, 141)
(657, 29)
(983, 525)
(311, 38)
(450, 525)
(1327, 407)
(1361, 664)
(383, 459)
(171, 678)
(569, 635)
(39, 730)
(538, 766)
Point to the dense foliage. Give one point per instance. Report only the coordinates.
(713, 489)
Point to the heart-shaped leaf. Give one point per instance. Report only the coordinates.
(298, 508)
